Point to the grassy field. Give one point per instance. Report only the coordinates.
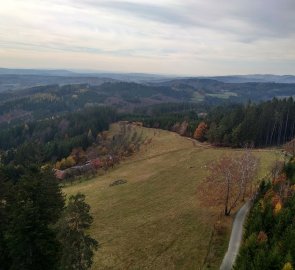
(197, 97)
(156, 221)
(223, 95)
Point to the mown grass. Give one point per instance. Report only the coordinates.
(155, 220)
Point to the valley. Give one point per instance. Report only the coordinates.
(147, 135)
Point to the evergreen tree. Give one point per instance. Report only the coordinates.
(77, 245)
(34, 206)
(4, 187)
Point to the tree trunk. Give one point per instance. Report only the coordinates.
(286, 125)
(227, 198)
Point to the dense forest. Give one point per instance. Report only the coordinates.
(52, 100)
(264, 124)
(269, 123)
(269, 240)
(52, 139)
(49, 100)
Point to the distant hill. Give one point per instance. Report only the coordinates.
(13, 82)
(11, 79)
(213, 90)
(43, 73)
(16, 79)
(72, 90)
(51, 95)
(255, 78)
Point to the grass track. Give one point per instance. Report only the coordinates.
(155, 221)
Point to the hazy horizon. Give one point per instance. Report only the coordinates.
(168, 37)
(84, 71)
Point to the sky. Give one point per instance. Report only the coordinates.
(180, 37)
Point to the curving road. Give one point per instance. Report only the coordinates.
(235, 238)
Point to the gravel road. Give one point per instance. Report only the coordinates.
(235, 238)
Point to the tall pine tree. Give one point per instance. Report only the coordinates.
(34, 207)
(77, 245)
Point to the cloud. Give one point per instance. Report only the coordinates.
(153, 12)
(188, 37)
(271, 17)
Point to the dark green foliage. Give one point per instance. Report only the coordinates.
(32, 207)
(269, 236)
(264, 124)
(290, 170)
(77, 245)
(49, 140)
(169, 108)
(50, 100)
(54, 100)
(134, 91)
(5, 185)
(168, 121)
(36, 232)
(12, 173)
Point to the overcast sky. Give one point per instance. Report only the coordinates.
(184, 37)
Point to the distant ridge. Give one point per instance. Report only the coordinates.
(145, 77)
(263, 78)
(132, 77)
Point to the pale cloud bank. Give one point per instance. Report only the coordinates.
(169, 36)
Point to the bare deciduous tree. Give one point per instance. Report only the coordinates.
(230, 180)
(248, 167)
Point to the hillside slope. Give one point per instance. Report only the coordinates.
(155, 220)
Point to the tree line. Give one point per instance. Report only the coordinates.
(269, 123)
(265, 124)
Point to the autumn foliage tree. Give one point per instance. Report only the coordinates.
(222, 184)
(65, 163)
(229, 180)
(248, 166)
(269, 233)
(200, 131)
(287, 266)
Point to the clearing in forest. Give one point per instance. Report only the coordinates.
(156, 220)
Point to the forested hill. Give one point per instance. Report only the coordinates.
(214, 89)
(51, 100)
(48, 100)
(256, 78)
(51, 139)
(12, 82)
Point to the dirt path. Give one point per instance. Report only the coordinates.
(235, 238)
